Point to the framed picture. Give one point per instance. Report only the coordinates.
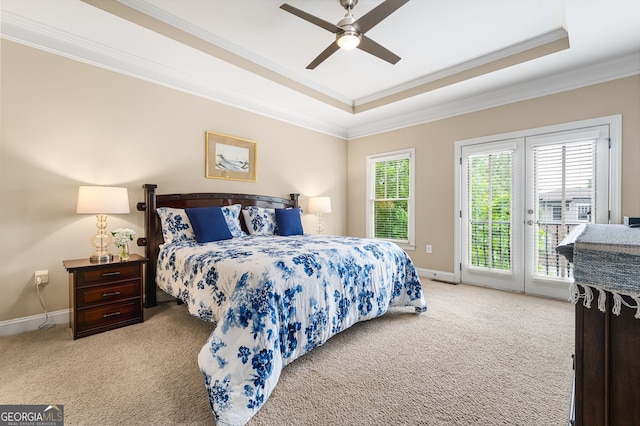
(229, 157)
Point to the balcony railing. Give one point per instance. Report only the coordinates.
(491, 247)
(550, 262)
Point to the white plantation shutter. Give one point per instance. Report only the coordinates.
(391, 199)
(567, 190)
(521, 193)
(565, 175)
(489, 197)
(390, 182)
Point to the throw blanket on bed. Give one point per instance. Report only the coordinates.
(275, 299)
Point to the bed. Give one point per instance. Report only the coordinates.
(272, 297)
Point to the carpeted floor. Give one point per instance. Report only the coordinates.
(476, 357)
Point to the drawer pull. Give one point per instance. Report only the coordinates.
(113, 293)
(111, 274)
(112, 314)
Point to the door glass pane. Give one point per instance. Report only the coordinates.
(490, 203)
(564, 175)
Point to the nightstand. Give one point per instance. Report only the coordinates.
(104, 296)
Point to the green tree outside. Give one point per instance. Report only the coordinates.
(391, 203)
(490, 196)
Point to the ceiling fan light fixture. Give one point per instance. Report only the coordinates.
(350, 32)
(348, 40)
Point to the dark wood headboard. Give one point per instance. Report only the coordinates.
(153, 231)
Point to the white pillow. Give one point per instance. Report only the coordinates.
(232, 217)
(260, 220)
(176, 225)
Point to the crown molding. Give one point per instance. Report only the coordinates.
(588, 75)
(30, 33)
(176, 22)
(559, 34)
(193, 38)
(24, 31)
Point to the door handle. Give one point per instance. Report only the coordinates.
(530, 222)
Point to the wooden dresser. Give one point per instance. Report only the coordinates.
(104, 296)
(607, 364)
(606, 261)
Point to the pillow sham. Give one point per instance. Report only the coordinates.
(175, 224)
(289, 222)
(208, 224)
(260, 220)
(232, 217)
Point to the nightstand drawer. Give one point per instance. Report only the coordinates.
(105, 315)
(110, 273)
(104, 296)
(107, 293)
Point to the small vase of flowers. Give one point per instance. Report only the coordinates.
(121, 238)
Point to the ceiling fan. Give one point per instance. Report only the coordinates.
(350, 31)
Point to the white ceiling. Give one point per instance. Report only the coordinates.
(252, 54)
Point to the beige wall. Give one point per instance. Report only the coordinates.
(65, 124)
(434, 143)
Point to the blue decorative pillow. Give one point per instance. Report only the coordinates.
(208, 224)
(176, 226)
(260, 220)
(232, 216)
(289, 222)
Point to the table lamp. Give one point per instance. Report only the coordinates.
(102, 200)
(319, 205)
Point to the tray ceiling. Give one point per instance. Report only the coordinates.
(456, 55)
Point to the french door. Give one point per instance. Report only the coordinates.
(520, 197)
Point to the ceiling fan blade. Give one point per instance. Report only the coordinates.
(333, 47)
(310, 18)
(375, 49)
(377, 14)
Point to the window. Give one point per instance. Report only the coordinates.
(490, 192)
(390, 197)
(584, 212)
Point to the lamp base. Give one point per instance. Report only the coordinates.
(101, 241)
(320, 226)
(101, 258)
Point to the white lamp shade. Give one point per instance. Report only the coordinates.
(102, 200)
(319, 205)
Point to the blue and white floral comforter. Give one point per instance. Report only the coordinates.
(276, 298)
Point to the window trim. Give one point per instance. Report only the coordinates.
(409, 153)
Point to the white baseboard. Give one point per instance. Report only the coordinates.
(20, 325)
(437, 275)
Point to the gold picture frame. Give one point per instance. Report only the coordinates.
(230, 157)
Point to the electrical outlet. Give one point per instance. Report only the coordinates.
(429, 248)
(41, 277)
